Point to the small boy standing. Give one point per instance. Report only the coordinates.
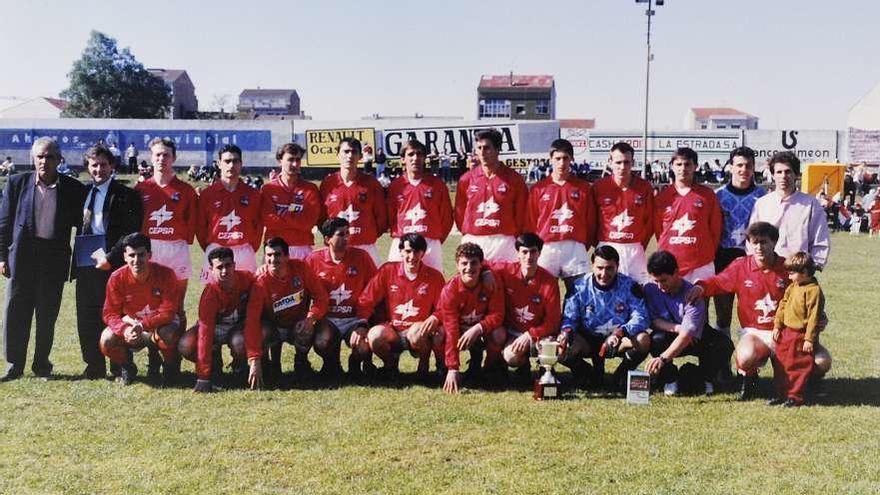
(795, 330)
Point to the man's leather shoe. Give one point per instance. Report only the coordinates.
(10, 374)
(95, 372)
(43, 370)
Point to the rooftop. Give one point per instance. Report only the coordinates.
(706, 112)
(519, 81)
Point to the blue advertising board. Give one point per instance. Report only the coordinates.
(187, 139)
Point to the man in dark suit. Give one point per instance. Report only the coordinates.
(37, 212)
(113, 211)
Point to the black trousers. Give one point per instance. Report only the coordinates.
(91, 287)
(713, 351)
(35, 289)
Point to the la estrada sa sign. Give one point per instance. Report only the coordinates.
(322, 144)
(447, 140)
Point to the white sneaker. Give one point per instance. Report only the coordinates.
(670, 389)
(710, 389)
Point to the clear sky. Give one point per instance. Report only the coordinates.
(794, 64)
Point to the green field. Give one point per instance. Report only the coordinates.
(72, 436)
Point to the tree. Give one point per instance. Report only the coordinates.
(109, 83)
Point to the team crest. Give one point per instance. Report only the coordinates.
(393, 288)
(298, 196)
(589, 309)
(606, 201)
(575, 194)
(331, 198)
(502, 188)
(217, 204)
(748, 284)
(175, 196)
(472, 189)
(429, 194)
(244, 200)
(545, 197)
(698, 203)
(422, 290)
(275, 198)
(146, 197)
(639, 199)
(619, 308)
(296, 281)
(400, 198)
(362, 197)
(780, 283)
(536, 299)
(352, 271)
(483, 297)
(157, 291)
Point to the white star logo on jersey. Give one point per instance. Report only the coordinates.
(349, 214)
(339, 294)
(406, 310)
(622, 220)
(488, 207)
(562, 213)
(471, 318)
(523, 314)
(738, 235)
(415, 214)
(230, 221)
(161, 215)
(146, 312)
(765, 305)
(683, 224)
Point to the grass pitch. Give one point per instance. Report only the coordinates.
(75, 436)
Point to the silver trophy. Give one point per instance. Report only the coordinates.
(547, 385)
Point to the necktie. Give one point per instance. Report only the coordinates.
(90, 211)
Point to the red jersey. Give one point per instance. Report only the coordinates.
(291, 212)
(461, 308)
(532, 306)
(344, 281)
(220, 307)
(153, 301)
(423, 208)
(758, 291)
(688, 226)
(229, 218)
(406, 301)
(283, 301)
(362, 204)
(562, 212)
(625, 215)
(170, 212)
(490, 206)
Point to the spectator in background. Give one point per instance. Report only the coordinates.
(381, 160)
(7, 167)
(368, 159)
(117, 155)
(193, 172)
(132, 154)
(445, 169)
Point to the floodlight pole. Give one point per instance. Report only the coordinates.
(648, 13)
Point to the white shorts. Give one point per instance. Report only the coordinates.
(564, 258)
(633, 262)
(765, 336)
(495, 247)
(299, 252)
(174, 255)
(372, 251)
(704, 272)
(433, 256)
(243, 254)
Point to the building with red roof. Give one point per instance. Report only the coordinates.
(517, 97)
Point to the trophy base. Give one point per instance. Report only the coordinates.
(546, 391)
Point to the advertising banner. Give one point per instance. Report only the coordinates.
(451, 139)
(321, 144)
(809, 146)
(186, 139)
(864, 146)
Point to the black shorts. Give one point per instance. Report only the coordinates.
(725, 256)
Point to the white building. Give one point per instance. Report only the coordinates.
(711, 118)
(31, 108)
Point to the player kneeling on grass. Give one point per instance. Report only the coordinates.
(140, 310)
(222, 310)
(532, 306)
(345, 271)
(410, 290)
(603, 318)
(285, 302)
(679, 327)
(471, 313)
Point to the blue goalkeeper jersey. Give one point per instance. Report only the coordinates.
(593, 310)
(736, 208)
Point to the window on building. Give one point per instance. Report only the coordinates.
(494, 108)
(542, 107)
(721, 126)
(734, 126)
(520, 109)
(703, 126)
